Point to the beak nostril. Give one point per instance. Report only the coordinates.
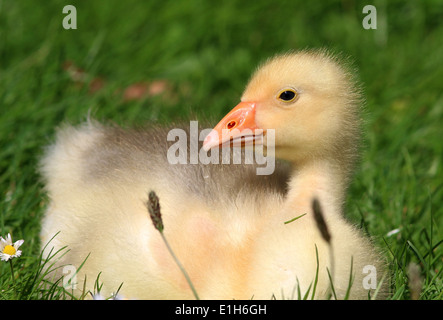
(231, 124)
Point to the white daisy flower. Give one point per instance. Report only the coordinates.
(9, 250)
(97, 296)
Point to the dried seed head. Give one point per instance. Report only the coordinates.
(153, 206)
(321, 223)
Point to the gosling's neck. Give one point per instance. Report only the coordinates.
(324, 179)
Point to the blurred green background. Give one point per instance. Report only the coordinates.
(199, 55)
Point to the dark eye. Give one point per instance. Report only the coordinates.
(287, 95)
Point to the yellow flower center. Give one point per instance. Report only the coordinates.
(9, 250)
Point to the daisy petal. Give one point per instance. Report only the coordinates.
(4, 257)
(18, 243)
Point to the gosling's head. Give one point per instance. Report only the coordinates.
(309, 98)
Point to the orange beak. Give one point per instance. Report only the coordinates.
(238, 127)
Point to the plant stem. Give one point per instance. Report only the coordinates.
(181, 267)
(153, 206)
(13, 279)
(12, 272)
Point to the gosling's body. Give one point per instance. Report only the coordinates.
(98, 179)
(224, 222)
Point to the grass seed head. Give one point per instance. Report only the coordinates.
(153, 206)
(319, 219)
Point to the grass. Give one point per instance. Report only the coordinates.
(206, 52)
